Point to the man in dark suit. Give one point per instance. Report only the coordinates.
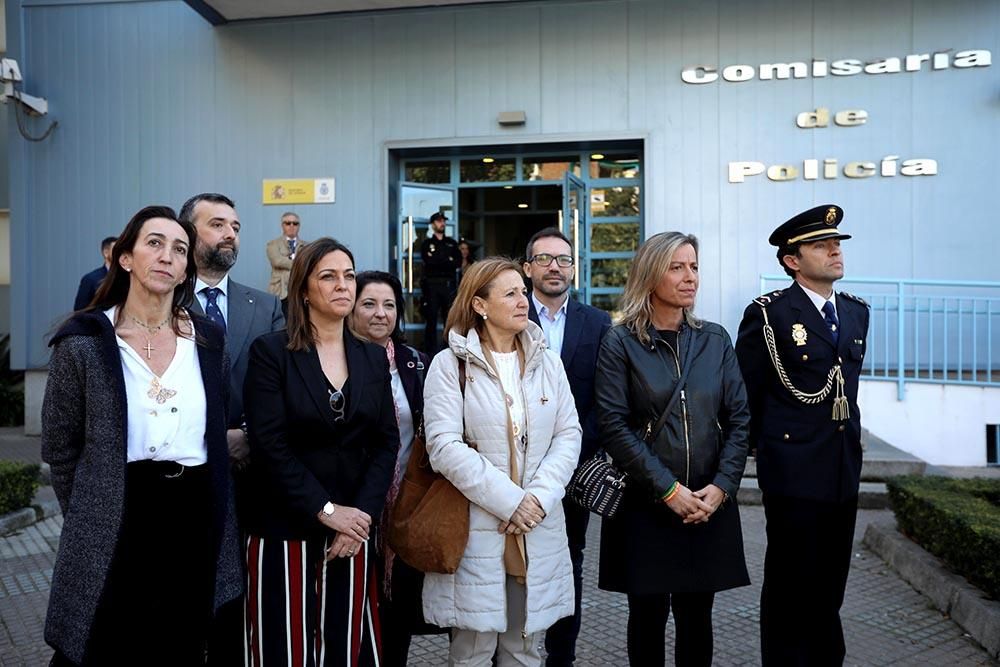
(244, 313)
(574, 331)
(91, 281)
(801, 350)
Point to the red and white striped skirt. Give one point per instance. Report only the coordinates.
(304, 611)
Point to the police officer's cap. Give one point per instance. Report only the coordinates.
(438, 216)
(815, 224)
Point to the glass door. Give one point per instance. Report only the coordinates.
(574, 220)
(417, 204)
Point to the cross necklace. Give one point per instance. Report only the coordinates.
(152, 332)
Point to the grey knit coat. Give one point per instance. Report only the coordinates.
(84, 441)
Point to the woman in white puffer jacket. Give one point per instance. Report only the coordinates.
(515, 578)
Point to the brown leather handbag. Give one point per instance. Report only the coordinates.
(429, 523)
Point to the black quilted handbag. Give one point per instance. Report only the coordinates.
(597, 486)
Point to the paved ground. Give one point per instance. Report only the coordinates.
(885, 620)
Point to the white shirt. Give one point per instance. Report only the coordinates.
(509, 370)
(819, 300)
(222, 301)
(404, 416)
(553, 326)
(173, 430)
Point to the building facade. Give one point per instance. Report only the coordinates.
(616, 119)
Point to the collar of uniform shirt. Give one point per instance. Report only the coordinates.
(542, 309)
(223, 285)
(818, 300)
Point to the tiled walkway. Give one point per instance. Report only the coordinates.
(886, 622)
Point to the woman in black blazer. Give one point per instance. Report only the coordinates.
(323, 441)
(378, 317)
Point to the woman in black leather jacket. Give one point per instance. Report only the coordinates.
(676, 539)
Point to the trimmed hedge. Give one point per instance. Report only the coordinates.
(957, 520)
(18, 483)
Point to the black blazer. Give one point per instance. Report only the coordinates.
(301, 457)
(801, 451)
(585, 328)
(88, 287)
(412, 371)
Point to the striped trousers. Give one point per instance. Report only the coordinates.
(304, 611)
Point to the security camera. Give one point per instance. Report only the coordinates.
(10, 74)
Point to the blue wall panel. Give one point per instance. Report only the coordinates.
(155, 104)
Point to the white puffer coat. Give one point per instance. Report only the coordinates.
(474, 597)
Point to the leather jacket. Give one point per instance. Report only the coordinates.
(704, 439)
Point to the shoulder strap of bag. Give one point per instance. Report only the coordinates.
(670, 405)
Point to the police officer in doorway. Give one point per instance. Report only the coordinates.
(800, 350)
(442, 260)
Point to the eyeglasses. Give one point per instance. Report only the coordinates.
(289, 222)
(337, 404)
(545, 260)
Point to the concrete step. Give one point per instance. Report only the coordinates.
(880, 461)
(872, 495)
(872, 470)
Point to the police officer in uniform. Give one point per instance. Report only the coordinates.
(801, 350)
(442, 260)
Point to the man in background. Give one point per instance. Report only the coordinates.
(442, 260)
(573, 331)
(91, 281)
(281, 253)
(244, 313)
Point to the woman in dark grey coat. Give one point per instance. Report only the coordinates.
(134, 428)
(676, 539)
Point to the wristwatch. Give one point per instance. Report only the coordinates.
(329, 509)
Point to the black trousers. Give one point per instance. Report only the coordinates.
(402, 614)
(438, 295)
(647, 624)
(808, 558)
(157, 599)
(560, 639)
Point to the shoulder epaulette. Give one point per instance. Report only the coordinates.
(765, 300)
(855, 298)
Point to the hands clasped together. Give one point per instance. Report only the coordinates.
(525, 518)
(696, 506)
(352, 526)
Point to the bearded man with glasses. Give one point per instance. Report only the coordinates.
(574, 331)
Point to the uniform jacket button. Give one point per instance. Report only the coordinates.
(805, 357)
(841, 427)
(787, 436)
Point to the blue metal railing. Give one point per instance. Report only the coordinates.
(927, 331)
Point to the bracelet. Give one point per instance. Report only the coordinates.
(671, 492)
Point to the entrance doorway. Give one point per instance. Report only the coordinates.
(496, 198)
(499, 221)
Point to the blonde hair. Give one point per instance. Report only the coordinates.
(651, 261)
(477, 281)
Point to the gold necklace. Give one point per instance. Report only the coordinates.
(153, 330)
